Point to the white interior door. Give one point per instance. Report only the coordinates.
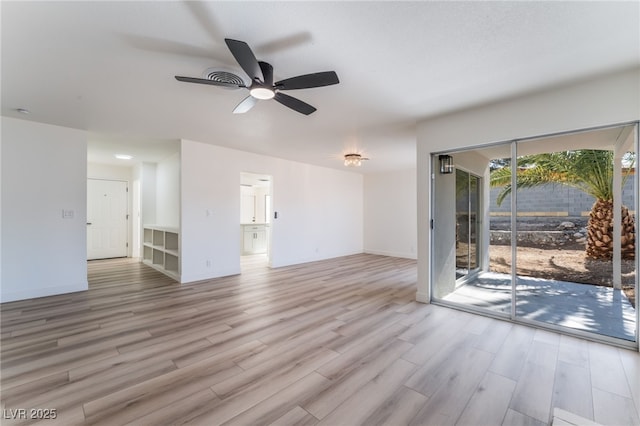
(106, 219)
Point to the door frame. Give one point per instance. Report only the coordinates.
(268, 210)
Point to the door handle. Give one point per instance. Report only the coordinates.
(89, 223)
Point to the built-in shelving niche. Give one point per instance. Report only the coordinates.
(161, 250)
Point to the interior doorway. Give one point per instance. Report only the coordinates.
(255, 219)
(107, 219)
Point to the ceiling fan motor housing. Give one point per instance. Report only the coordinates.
(223, 76)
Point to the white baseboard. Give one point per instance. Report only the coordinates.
(303, 260)
(42, 292)
(393, 254)
(422, 297)
(203, 277)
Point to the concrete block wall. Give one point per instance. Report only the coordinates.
(555, 199)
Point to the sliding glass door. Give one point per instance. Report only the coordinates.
(543, 231)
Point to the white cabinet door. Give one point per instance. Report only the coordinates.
(254, 240)
(106, 219)
(260, 242)
(247, 243)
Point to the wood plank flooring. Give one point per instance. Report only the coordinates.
(336, 342)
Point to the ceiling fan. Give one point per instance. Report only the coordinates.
(262, 86)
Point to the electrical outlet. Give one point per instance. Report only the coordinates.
(208, 263)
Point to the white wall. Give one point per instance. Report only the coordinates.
(319, 210)
(390, 221)
(168, 191)
(144, 196)
(109, 172)
(319, 213)
(444, 233)
(1, 192)
(44, 171)
(146, 174)
(610, 99)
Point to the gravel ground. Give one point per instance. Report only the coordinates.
(566, 264)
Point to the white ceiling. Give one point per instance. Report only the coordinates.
(108, 68)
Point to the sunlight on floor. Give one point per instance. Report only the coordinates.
(587, 307)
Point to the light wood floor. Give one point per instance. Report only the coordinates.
(338, 342)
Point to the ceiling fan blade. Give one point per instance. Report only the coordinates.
(245, 58)
(245, 105)
(294, 104)
(267, 72)
(206, 81)
(308, 81)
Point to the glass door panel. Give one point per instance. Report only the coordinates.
(462, 223)
(629, 190)
(467, 215)
(493, 281)
(474, 215)
(573, 193)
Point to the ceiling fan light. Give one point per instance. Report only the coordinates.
(262, 93)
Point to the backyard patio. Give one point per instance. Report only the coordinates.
(597, 309)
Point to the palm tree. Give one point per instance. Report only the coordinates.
(588, 170)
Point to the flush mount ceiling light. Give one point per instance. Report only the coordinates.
(353, 160)
(123, 156)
